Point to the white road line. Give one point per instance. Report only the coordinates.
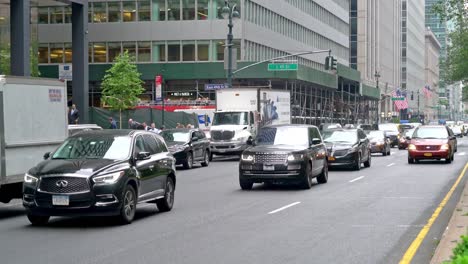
(391, 164)
(357, 179)
(461, 154)
(284, 207)
(11, 205)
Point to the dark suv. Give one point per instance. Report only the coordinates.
(101, 173)
(284, 154)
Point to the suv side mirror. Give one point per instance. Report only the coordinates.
(250, 142)
(46, 155)
(316, 141)
(143, 155)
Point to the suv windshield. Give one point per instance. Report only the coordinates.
(342, 137)
(389, 127)
(294, 136)
(176, 136)
(230, 118)
(97, 147)
(377, 134)
(431, 133)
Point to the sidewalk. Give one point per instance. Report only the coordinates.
(457, 227)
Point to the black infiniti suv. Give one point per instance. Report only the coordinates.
(104, 172)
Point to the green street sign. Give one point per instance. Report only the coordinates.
(282, 66)
(398, 98)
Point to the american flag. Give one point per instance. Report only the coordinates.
(399, 104)
(427, 91)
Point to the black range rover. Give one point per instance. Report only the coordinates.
(101, 173)
(284, 153)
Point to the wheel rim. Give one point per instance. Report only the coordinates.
(309, 175)
(207, 158)
(325, 172)
(129, 204)
(169, 193)
(190, 161)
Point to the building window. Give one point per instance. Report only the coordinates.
(188, 9)
(130, 47)
(56, 53)
(43, 51)
(203, 50)
(219, 50)
(90, 12)
(68, 52)
(173, 9)
(68, 14)
(114, 11)
(237, 46)
(43, 13)
(113, 50)
(90, 52)
(202, 9)
(144, 10)
(173, 51)
(144, 51)
(129, 11)
(159, 10)
(99, 12)
(56, 15)
(188, 51)
(159, 51)
(99, 52)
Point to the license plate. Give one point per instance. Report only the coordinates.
(60, 200)
(268, 167)
(331, 158)
(427, 154)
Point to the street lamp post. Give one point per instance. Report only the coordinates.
(377, 76)
(229, 12)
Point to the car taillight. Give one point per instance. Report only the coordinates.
(445, 147)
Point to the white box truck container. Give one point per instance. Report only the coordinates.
(240, 112)
(33, 121)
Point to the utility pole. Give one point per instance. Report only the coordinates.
(229, 12)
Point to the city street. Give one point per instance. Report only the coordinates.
(366, 216)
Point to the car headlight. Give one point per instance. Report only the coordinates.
(28, 178)
(293, 157)
(108, 178)
(411, 147)
(445, 147)
(247, 157)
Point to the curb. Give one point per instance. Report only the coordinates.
(457, 227)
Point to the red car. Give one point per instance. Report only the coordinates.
(432, 142)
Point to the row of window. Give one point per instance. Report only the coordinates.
(259, 52)
(291, 29)
(143, 51)
(312, 8)
(140, 10)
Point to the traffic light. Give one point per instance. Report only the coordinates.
(334, 63)
(328, 62)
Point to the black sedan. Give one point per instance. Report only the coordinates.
(284, 154)
(379, 142)
(188, 146)
(348, 147)
(105, 172)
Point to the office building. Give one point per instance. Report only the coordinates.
(431, 95)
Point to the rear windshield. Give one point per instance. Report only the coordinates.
(431, 133)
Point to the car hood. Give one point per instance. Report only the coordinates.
(175, 143)
(82, 167)
(337, 145)
(276, 149)
(420, 141)
(392, 133)
(228, 127)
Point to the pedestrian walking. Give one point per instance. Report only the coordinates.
(113, 124)
(73, 115)
(179, 125)
(133, 124)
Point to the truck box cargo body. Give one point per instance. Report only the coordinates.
(240, 112)
(33, 121)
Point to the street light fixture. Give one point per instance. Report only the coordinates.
(230, 12)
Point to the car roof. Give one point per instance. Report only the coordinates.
(83, 126)
(289, 125)
(182, 129)
(112, 132)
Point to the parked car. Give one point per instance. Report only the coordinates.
(392, 131)
(74, 129)
(432, 142)
(457, 131)
(379, 142)
(284, 154)
(405, 138)
(188, 146)
(348, 147)
(104, 172)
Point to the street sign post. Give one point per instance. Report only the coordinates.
(282, 66)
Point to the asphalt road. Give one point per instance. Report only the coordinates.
(367, 216)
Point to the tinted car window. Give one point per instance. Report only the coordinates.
(377, 134)
(431, 133)
(139, 145)
(161, 145)
(342, 136)
(297, 136)
(94, 147)
(151, 144)
(200, 135)
(314, 133)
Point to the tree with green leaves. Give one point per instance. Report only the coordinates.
(5, 60)
(122, 85)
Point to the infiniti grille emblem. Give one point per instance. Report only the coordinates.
(61, 183)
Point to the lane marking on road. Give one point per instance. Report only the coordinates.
(357, 179)
(461, 154)
(411, 251)
(391, 164)
(284, 207)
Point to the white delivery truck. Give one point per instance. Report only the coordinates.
(240, 112)
(33, 121)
